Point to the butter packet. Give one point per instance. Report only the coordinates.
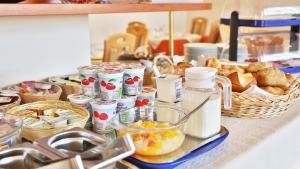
(32, 122)
(70, 116)
(55, 121)
(5, 99)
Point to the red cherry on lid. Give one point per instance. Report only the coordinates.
(96, 114)
(103, 116)
(110, 86)
(129, 81)
(136, 78)
(139, 103)
(145, 101)
(91, 79)
(103, 83)
(85, 82)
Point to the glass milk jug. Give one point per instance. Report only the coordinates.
(201, 83)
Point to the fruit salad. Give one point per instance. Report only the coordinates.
(154, 138)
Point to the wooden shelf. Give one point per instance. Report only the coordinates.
(82, 9)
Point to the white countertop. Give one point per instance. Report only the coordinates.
(256, 144)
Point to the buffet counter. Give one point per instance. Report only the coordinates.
(255, 144)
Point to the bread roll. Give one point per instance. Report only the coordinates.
(257, 66)
(273, 90)
(272, 77)
(241, 81)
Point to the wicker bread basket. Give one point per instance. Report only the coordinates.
(67, 89)
(6, 107)
(37, 133)
(29, 98)
(253, 106)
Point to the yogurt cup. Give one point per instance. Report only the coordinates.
(125, 109)
(103, 112)
(111, 136)
(146, 98)
(128, 115)
(111, 83)
(89, 80)
(133, 79)
(84, 102)
(126, 102)
(169, 88)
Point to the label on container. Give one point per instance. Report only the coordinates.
(111, 87)
(145, 113)
(178, 89)
(103, 112)
(125, 103)
(90, 84)
(133, 82)
(127, 116)
(146, 98)
(111, 136)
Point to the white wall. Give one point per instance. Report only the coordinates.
(36, 47)
(104, 25)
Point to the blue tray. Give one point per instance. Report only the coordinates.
(264, 23)
(291, 70)
(204, 146)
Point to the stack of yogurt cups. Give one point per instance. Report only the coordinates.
(111, 89)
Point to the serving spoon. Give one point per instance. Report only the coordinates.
(193, 111)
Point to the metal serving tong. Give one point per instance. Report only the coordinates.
(105, 154)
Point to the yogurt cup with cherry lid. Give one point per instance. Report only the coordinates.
(146, 98)
(103, 112)
(111, 83)
(89, 80)
(144, 103)
(125, 109)
(133, 79)
(84, 102)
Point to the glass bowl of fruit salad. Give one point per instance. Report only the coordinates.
(153, 129)
(10, 130)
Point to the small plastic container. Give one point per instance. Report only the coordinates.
(169, 88)
(111, 83)
(126, 102)
(10, 131)
(146, 98)
(84, 102)
(125, 108)
(133, 79)
(103, 111)
(89, 80)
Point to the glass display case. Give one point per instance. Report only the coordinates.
(269, 29)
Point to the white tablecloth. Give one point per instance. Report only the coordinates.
(256, 144)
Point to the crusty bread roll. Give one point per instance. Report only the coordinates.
(257, 66)
(273, 90)
(213, 62)
(290, 78)
(272, 77)
(241, 81)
